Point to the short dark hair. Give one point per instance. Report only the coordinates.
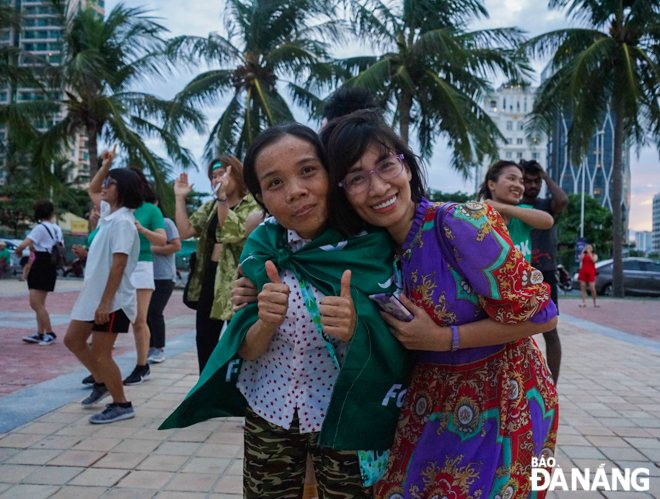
(348, 100)
(346, 140)
(129, 187)
(531, 167)
(148, 193)
(271, 136)
(43, 210)
(494, 173)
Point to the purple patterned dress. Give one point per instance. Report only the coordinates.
(472, 419)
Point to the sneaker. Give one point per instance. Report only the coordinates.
(156, 356)
(88, 381)
(35, 338)
(113, 412)
(139, 375)
(49, 338)
(99, 392)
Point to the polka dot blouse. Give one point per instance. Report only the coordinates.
(296, 373)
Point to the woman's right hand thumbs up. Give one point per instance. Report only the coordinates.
(273, 299)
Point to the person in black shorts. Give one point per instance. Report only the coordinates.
(544, 244)
(43, 272)
(107, 303)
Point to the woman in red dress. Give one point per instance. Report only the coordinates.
(587, 274)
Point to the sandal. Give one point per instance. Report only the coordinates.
(582, 306)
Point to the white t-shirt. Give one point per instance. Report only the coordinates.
(42, 240)
(117, 234)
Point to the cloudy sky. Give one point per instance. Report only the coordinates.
(199, 17)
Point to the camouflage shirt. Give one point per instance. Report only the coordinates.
(232, 236)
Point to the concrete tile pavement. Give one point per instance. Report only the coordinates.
(23, 365)
(609, 414)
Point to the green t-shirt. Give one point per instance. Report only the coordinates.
(91, 236)
(5, 253)
(519, 232)
(151, 218)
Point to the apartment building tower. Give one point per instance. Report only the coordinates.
(509, 107)
(40, 35)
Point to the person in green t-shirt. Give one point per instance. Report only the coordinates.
(5, 256)
(502, 189)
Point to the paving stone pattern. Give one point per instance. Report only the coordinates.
(609, 414)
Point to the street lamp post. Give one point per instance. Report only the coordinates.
(598, 153)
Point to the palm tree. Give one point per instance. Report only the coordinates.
(433, 71)
(612, 65)
(18, 117)
(102, 61)
(267, 42)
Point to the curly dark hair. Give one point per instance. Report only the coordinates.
(531, 167)
(348, 100)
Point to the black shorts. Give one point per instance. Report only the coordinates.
(118, 323)
(43, 274)
(550, 277)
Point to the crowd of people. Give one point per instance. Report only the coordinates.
(297, 251)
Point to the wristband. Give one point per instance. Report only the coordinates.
(454, 338)
(223, 200)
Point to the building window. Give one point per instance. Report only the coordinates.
(493, 103)
(509, 125)
(519, 141)
(520, 155)
(509, 140)
(521, 126)
(535, 155)
(509, 155)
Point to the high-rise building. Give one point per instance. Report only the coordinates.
(594, 173)
(41, 36)
(644, 241)
(509, 107)
(656, 222)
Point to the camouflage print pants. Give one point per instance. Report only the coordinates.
(275, 463)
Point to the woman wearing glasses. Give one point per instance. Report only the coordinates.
(220, 225)
(481, 402)
(107, 303)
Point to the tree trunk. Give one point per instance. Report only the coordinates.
(92, 147)
(405, 105)
(617, 216)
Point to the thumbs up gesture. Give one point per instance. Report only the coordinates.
(274, 299)
(338, 314)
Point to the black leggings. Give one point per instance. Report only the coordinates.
(208, 330)
(155, 319)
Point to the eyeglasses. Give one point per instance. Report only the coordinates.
(107, 182)
(359, 181)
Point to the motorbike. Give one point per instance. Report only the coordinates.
(563, 279)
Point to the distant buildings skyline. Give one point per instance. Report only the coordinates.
(41, 36)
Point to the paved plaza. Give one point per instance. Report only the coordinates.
(609, 410)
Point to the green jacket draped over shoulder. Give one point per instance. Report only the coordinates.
(232, 236)
(365, 401)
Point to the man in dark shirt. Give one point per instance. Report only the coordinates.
(544, 244)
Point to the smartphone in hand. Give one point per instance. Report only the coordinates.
(391, 304)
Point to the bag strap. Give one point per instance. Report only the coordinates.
(55, 241)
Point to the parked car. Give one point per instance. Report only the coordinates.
(15, 262)
(641, 276)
